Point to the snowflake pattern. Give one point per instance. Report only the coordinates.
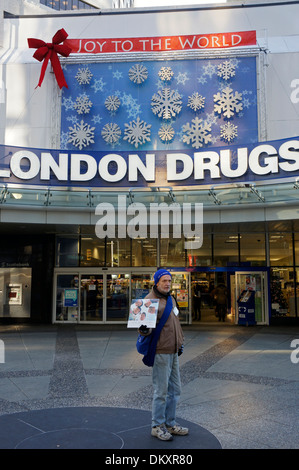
(167, 103)
(198, 133)
(82, 104)
(228, 132)
(226, 70)
(166, 132)
(228, 102)
(137, 132)
(84, 76)
(81, 135)
(165, 74)
(111, 133)
(138, 73)
(98, 85)
(196, 101)
(112, 103)
(229, 109)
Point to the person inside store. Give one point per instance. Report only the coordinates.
(166, 374)
(196, 303)
(220, 296)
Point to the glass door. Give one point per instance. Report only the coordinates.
(91, 297)
(256, 282)
(117, 297)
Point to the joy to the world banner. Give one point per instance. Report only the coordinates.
(162, 43)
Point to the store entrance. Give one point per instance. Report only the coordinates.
(104, 295)
(213, 287)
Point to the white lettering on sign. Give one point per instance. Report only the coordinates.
(262, 160)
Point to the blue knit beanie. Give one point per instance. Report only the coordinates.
(159, 274)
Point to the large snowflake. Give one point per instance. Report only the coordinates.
(228, 102)
(111, 133)
(198, 133)
(166, 103)
(82, 104)
(196, 101)
(84, 76)
(137, 132)
(138, 73)
(228, 131)
(165, 74)
(166, 132)
(226, 70)
(81, 135)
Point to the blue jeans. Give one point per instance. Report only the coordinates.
(167, 389)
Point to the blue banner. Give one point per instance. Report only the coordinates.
(255, 162)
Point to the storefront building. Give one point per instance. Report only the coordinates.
(166, 140)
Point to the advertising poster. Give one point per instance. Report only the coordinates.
(143, 312)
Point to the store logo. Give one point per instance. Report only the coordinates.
(2, 352)
(295, 353)
(139, 221)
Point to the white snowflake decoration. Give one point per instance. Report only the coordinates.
(196, 101)
(84, 76)
(112, 103)
(165, 74)
(111, 133)
(137, 132)
(138, 73)
(166, 103)
(228, 132)
(166, 132)
(226, 70)
(82, 104)
(198, 133)
(81, 135)
(228, 102)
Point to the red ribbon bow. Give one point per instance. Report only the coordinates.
(48, 51)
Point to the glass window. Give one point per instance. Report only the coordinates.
(67, 251)
(172, 252)
(201, 256)
(282, 289)
(144, 252)
(253, 249)
(225, 248)
(118, 252)
(281, 249)
(92, 251)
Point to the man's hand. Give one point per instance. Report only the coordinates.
(181, 350)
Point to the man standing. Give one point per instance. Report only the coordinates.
(166, 373)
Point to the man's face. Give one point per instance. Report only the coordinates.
(164, 284)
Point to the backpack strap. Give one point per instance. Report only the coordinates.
(148, 360)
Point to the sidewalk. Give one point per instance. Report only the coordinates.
(240, 389)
